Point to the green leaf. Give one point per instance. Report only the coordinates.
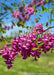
(2, 3)
(36, 20)
(27, 27)
(13, 23)
(51, 20)
(47, 1)
(47, 10)
(20, 31)
(37, 43)
(38, 37)
(0, 29)
(40, 15)
(47, 24)
(23, 23)
(41, 44)
(44, 9)
(23, 26)
(11, 10)
(3, 31)
(18, 24)
(13, 4)
(34, 48)
(16, 7)
(42, 12)
(39, 50)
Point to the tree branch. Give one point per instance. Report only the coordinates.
(49, 28)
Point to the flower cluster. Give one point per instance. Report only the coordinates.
(30, 45)
(23, 15)
(8, 55)
(48, 40)
(38, 3)
(39, 28)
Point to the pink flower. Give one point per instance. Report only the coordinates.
(39, 28)
(16, 14)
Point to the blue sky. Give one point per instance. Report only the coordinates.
(43, 20)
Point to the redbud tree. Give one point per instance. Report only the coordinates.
(36, 41)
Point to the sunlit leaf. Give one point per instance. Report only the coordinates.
(34, 48)
(41, 44)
